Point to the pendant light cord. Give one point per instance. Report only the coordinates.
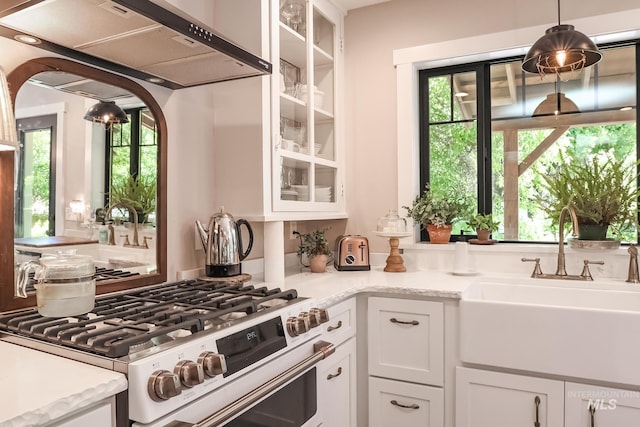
(558, 12)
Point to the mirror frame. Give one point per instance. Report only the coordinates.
(16, 78)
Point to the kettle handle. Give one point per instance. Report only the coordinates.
(244, 222)
(23, 277)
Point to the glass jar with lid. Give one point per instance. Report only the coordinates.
(392, 223)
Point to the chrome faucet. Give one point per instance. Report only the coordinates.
(130, 208)
(561, 271)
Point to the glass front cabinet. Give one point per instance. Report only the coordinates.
(308, 128)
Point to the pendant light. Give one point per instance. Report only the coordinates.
(8, 134)
(107, 113)
(556, 103)
(561, 49)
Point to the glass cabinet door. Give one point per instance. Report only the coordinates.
(305, 149)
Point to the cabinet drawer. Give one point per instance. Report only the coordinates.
(613, 407)
(399, 404)
(337, 386)
(406, 340)
(485, 398)
(342, 322)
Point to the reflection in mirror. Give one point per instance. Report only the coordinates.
(94, 187)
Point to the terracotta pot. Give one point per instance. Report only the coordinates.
(318, 263)
(483, 234)
(439, 235)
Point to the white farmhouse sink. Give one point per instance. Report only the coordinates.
(559, 327)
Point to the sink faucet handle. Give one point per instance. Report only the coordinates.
(126, 240)
(145, 240)
(585, 270)
(633, 276)
(537, 271)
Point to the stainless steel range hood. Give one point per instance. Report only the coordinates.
(149, 40)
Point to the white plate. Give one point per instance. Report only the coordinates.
(393, 234)
(464, 273)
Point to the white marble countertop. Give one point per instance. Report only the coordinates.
(333, 286)
(39, 387)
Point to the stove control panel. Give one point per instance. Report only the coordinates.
(298, 325)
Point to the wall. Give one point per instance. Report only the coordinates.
(371, 35)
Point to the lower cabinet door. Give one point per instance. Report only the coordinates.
(494, 399)
(593, 406)
(400, 404)
(337, 387)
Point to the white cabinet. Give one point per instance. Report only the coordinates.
(486, 398)
(308, 129)
(609, 407)
(406, 362)
(337, 374)
(402, 404)
(342, 322)
(99, 415)
(337, 386)
(406, 340)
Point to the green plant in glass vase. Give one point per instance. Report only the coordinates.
(602, 191)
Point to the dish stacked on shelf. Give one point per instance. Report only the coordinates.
(323, 193)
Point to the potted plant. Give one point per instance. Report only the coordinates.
(316, 247)
(437, 212)
(139, 192)
(484, 225)
(602, 192)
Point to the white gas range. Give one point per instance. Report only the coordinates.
(195, 352)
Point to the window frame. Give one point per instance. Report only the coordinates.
(484, 126)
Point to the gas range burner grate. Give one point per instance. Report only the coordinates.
(121, 324)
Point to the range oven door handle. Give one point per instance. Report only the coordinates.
(322, 350)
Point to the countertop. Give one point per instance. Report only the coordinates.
(40, 387)
(333, 286)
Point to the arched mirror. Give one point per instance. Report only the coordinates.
(98, 189)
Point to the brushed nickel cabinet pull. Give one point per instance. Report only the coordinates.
(337, 374)
(413, 406)
(403, 322)
(333, 328)
(537, 403)
(592, 411)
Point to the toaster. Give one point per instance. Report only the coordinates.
(352, 253)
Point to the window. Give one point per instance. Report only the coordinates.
(132, 149)
(493, 127)
(35, 190)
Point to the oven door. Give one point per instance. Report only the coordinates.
(287, 400)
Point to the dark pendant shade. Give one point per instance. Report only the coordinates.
(561, 49)
(554, 104)
(106, 112)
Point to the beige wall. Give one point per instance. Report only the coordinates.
(371, 35)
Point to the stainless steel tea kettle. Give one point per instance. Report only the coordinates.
(222, 244)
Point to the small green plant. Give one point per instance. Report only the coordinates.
(601, 191)
(139, 192)
(483, 222)
(437, 209)
(314, 243)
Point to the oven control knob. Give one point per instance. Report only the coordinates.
(320, 313)
(297, 325)
(318, 316)
(163, 385)
(190, 373)
(213, 363)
